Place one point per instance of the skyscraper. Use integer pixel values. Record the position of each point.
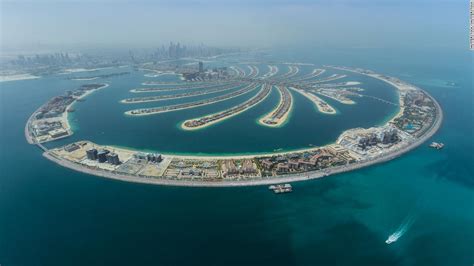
(91, 154)
(102, 156)
(113, 158)
(471, 23)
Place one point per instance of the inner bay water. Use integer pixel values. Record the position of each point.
(100, 118)
(55, 216)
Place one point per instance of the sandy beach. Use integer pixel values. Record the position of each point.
(65, 116)
(279, 122)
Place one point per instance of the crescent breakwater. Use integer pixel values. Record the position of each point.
(418, 119)
(50, 122)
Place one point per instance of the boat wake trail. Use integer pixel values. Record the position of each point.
(402, 229)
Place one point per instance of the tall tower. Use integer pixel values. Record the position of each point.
(131, 56)
(471, 22)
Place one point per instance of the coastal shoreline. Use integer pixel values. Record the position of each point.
(258, 181)
(64, 118)
(383, 157)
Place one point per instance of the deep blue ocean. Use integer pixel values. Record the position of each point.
(50, 215)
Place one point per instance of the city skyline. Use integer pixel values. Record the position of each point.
(229, 24)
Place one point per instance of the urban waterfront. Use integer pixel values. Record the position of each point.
(47, 209)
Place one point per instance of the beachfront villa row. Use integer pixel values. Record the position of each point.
(227, 113)
(419, 112)
(151, 165)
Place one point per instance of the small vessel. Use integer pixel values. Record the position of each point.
(402, 229)
(281, 188)
(436, 145)
(392, 238)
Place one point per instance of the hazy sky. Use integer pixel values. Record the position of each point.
(350, 23)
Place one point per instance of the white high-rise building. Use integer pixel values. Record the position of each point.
(471, 22)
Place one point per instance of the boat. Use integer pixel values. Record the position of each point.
(392, 238)
(281, 188)
(402, 229)
(436, 145)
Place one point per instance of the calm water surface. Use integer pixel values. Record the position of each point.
(50, 215)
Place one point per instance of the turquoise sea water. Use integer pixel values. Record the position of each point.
(50, 215)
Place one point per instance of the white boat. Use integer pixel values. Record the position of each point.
(281, 188)
(437, 145)
(407, 223)
(392, 238)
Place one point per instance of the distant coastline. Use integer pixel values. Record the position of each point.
(16, 77)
